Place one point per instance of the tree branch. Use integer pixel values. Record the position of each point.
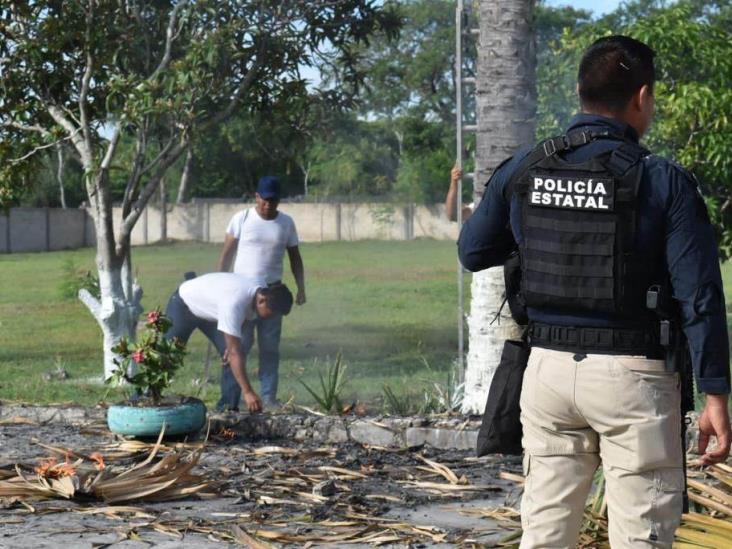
(84, 152)
(92, 303)
(86, 79)
(134, 178)
(161, 154)
(170, 36)
(25, 128)
(166, 158)
(37, 150)
(112, 147)
(240, 89)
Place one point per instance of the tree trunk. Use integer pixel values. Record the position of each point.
(116, 311)
(60, 175)
(305, 169)
(163, 212)
(185, 178)
(118, 307)
(506, 107)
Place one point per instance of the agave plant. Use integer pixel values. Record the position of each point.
(331, 386)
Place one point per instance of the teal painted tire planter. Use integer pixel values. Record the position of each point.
(184, 417)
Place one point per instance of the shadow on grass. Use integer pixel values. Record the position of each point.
(364, 342)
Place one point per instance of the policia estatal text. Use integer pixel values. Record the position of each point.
(600, 224)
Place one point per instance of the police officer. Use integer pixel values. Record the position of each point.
(597, 221)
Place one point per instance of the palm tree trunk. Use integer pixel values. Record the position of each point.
(506, 108)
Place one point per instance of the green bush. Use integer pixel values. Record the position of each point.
(74, 279)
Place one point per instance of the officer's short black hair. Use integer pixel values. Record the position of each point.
(279, 298)
(612, 69)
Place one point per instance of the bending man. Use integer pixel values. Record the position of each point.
(221, 305)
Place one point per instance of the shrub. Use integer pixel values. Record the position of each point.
(157, 359)
(74, 278)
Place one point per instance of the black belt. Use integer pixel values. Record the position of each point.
(608, 341)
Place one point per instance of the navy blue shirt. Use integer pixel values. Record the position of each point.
(673, 233)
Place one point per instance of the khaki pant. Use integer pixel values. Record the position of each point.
(621, 410)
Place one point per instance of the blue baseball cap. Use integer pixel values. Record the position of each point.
(268, 187)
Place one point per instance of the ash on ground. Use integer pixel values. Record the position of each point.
(270, 493)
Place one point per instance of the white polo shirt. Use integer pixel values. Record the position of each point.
(262, 244)
(224, 298)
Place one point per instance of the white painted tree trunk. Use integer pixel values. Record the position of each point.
(506, 106)
(118, 307)
(116, 312)
(487, 331)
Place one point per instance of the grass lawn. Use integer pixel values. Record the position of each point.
(389, 307)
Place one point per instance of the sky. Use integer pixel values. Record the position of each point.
(597, 7)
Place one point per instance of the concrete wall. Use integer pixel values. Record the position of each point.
(45, 229)
(68, 228)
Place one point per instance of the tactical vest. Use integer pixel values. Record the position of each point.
(578, 223)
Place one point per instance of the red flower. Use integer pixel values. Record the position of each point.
(138, 356)
(153, 317)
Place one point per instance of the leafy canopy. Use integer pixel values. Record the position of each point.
(157, 70)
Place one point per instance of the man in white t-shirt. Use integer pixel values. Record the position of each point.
(220, 305)
(259, 237)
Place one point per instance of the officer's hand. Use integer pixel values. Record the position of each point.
(455, 174)
(254, 403)
(714, 421)
(300, 299)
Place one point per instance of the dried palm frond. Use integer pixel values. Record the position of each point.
(168, 478)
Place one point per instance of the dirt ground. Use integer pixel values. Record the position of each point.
(268, 493)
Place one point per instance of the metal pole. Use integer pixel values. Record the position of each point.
(459, 162)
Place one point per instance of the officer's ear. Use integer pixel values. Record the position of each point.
(640, 109)
(648, 101)
(642, 100)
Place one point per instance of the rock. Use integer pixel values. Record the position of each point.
(326, 488)
(337, 434)
(367, 432)
(444, 439)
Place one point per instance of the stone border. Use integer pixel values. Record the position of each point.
(387, 432)
(455, 433)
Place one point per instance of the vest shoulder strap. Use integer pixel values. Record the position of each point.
(621, 160)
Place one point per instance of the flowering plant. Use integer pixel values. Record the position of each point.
(156, 358)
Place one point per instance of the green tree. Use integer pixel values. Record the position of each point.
(156, 73)
(353, 158)
(406, 107)
(409, 86)
(693, 122)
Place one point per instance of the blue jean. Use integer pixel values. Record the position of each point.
(269, 331)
